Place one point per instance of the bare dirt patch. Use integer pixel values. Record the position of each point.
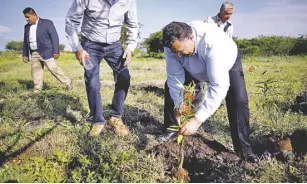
(206, 160)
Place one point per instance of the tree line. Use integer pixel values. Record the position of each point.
(258, 46)
(16, 46)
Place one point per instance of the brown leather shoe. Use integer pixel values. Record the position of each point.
(95, 130)
(118, 125)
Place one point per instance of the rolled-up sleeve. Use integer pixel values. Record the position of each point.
(131, 22)
(72, 21)
(218, 66)
(175, 73)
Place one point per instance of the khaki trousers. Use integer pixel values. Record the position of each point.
(37, 71)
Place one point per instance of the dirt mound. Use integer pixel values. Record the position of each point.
(206, 160)
(300, 104)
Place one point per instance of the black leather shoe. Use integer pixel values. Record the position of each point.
(167, 136)
(251, 157)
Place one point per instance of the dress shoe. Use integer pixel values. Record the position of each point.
(95, 130)
(119, 127)
(251, 157)
(167, 136)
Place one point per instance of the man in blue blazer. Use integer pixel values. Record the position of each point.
(41, 42)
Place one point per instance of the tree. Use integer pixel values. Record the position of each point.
(300, 46)
(271, 45)
(124, 34)
(154, 43)
(14, 46)
(62, 47)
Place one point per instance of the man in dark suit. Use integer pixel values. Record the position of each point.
(41, 42)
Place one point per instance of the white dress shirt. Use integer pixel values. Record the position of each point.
(32, 36)
(216, 20)
(215, 54)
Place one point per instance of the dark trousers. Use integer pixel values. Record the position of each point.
(237, 107)
(112, 53)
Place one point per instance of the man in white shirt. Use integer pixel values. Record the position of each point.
(202, 52)
(222, 18)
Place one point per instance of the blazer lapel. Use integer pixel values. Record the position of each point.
(28, 33)
(38, 31)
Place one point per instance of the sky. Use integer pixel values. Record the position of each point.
(251, 18)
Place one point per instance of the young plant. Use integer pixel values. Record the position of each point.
(278, 139)
(184, 113)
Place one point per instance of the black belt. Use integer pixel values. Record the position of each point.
(34, 50)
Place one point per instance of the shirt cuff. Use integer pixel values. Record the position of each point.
(76, 48)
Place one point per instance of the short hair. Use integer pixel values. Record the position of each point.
(175, 31)
(227, 5)
(29, 10)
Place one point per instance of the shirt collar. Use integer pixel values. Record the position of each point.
(196, 39)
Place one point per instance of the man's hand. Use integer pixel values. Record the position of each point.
(25, 59)
(127, 55)
(56, 56)
(81, 55)
(190, 127)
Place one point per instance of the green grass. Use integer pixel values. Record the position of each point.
(43, 136)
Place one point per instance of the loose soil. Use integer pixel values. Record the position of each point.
(205, 160)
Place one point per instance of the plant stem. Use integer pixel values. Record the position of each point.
(182, 154)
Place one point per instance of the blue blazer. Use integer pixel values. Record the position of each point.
(46, 37)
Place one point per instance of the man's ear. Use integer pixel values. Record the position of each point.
(191, 37)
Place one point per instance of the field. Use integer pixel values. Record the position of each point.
(43, 136)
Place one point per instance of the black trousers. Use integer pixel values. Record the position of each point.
(236, 102)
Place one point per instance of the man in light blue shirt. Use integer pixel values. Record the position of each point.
(202, 52)
(102, 21)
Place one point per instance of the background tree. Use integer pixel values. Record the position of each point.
(124, 34)
(62, 47)
(300, 46)
(272, 45)
(154, 44)
(14, 46)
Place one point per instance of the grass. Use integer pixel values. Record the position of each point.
(43, 136)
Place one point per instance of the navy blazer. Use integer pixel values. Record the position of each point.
(46, 37)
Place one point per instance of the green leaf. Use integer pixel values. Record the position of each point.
(174, 126)
(179, 139)
(181, 85)
(173, 129)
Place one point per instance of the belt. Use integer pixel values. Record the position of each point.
(84, 39)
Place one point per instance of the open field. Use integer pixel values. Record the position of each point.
(43, 136)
